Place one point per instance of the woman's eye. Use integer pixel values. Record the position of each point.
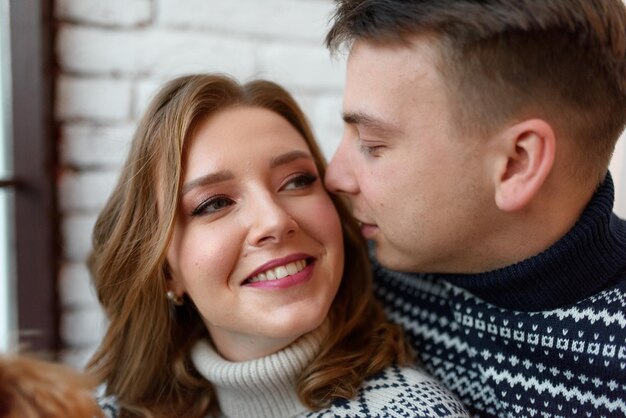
(300, 181)
(212, 205)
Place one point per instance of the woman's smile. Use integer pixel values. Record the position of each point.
(280, 268)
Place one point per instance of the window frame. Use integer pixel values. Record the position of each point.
(32, 135)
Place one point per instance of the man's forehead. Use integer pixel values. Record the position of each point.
(427, 43)
(382, 79)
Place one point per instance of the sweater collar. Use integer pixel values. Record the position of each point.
(584, 261)
(264, 387)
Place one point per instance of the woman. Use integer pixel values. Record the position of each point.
(269, 308)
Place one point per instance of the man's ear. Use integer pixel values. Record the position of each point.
(525, 158)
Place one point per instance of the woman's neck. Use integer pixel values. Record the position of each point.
(248, 348)
(263, 387)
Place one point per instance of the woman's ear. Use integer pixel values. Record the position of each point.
(526, 157)
(172, 284)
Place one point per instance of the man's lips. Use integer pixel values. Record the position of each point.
(368, 230)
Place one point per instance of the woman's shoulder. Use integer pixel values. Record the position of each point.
(398, 391)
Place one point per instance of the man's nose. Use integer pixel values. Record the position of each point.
(340, 177)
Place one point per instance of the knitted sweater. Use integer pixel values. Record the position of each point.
(265, 388)
(545, 337)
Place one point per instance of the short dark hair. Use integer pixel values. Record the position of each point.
(562, 60)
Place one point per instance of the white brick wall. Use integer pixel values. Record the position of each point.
(95, 99)
(284, 20)
(114, 54)
(114, 13)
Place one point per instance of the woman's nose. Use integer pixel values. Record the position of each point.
(269, 222)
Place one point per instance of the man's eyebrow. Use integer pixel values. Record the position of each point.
(211, 178)
(370, 122)
(288, 157)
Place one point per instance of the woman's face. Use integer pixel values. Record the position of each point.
(257, 243)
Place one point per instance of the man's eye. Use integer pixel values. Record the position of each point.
(369, 149)
(212, 205)
(300, 181)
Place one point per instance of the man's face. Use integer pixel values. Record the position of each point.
(420, 188)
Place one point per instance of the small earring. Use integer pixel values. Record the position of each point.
(174, 298)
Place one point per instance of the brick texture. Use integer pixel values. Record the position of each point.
(284, 20)
(113, 13)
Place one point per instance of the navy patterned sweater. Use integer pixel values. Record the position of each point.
(544, 338)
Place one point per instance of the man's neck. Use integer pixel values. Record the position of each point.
(587, 257)
(515, 237)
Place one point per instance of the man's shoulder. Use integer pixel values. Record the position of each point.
(398, 391)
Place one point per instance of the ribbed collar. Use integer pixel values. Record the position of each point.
(587, 259)
(264, 387)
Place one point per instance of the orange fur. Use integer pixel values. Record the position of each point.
(31, 388)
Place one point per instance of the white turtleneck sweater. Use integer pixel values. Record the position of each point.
(265, 388)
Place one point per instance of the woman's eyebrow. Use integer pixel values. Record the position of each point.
(207, 179)
(224, 175)
(289, 157)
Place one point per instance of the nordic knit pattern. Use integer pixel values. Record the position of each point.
(265, 388)
(542, 338)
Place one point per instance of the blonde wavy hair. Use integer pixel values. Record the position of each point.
(144, 358)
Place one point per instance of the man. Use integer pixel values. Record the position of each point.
(475, 153)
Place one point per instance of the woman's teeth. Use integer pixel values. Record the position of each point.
(279, 272)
